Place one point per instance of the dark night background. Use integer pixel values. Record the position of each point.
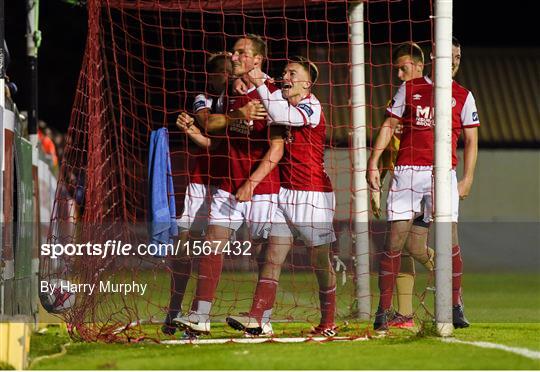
(63, 28)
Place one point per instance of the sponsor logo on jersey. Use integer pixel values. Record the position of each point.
(475, 116)
(241, 126)
(417, 97)
(308, 110)
(424, 116)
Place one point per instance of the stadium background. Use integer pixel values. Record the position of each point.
(500, 69)
(500, 65)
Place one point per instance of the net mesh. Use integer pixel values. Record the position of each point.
(143, 65)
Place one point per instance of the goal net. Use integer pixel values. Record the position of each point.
(144, 64)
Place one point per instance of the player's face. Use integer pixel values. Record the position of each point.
(217, 81)
(243, 57)
(296, 81)
(456, 59)
(408, 69)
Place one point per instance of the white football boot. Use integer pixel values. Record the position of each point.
(193, 323)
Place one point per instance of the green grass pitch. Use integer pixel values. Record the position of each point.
(504, 309)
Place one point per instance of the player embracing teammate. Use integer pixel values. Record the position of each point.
(248, 190)
(306, 199)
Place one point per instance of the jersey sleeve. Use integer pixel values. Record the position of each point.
(201, 102)
(310, 108)
(307, 112)
(396, 108)
(469, 113)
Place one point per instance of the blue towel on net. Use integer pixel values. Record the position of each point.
(162, 214)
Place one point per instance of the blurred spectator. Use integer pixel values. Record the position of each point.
(47, 144)
(59, 141)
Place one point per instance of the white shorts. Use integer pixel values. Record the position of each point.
(196, 208)
(411, 194)
(258, 213)
(307, 215)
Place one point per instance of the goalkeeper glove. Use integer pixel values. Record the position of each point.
(340, 266)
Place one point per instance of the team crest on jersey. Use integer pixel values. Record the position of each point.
(424, 116)
(417, 97)
(306, 108)
(475, 116)
(454, 102)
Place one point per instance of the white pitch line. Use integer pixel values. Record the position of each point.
(531, 354)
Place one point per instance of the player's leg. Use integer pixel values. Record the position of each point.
(320, 259)
(225, 217)
(404, 202)
(459, 319)
(192, 223)
(458, 315)
(417, 250)
(210, 266)
(389, 265)
(180, 267)
(311, 214)
(262, 222)
(257, 321)
(403, 317)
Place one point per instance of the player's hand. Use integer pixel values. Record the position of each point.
(184, 121)
(239, 87)
(464, 187)
(245, 192)
(257, 77)
(376, 203)
(373, 177)
(253, 110)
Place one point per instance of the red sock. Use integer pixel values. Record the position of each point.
(457, 269)
(327, 299)
(209, 274)
(388, 271)
(264, 297)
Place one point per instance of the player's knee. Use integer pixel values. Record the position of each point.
(320, 257)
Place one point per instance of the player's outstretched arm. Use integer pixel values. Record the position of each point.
(186, 123)
(253, 110)
(267, 164)
(384, 137)
(470, 154)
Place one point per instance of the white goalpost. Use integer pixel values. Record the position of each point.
(361, 213)
(443, 166)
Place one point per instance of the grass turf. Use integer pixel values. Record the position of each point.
(504, 309)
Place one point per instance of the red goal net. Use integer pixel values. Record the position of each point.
(144, 64)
